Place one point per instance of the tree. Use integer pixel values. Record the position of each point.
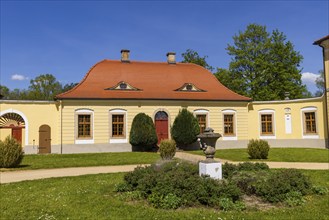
(191, 56)
(263, 66)
(4, 92)
(185, 128)
(319, 82)
(142, 136)
(44, 87)
(69, 86)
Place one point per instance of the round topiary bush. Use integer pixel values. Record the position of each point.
(185, 128)
(143, 136)
(167, 149)
(11, 153)
(258, 149)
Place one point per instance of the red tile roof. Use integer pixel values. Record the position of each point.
(154, 81)
(317, 42)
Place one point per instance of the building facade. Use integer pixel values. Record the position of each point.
(96, 115)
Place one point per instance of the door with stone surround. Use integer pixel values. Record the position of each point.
(161, 125)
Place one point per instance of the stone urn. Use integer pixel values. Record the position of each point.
(208, 143)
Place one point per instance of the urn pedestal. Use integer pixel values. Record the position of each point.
(209, 167)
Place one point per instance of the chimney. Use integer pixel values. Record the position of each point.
(286, 95)
(125, 56)
(171, 58)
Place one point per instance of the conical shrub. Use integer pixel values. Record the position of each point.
(143, 136)
(185, 128)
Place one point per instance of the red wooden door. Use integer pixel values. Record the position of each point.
(16, 132)
(161, 125)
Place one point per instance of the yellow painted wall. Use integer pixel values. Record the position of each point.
(101, 111)
(248, 123)
(279, 117)
(37, 114)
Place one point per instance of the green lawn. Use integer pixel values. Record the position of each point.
(93, 197)
(275, 154)
(84, 160)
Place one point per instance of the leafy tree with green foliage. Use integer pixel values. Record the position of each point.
(143, 136)
(44, 87)
(191, 56)
(264, 66)
(185, 128)
(319, 82)
(68, 87)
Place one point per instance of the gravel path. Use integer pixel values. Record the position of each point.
(17, 176)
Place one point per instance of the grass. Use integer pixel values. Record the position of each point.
(93, 197)
(84, 160)
(275, 154)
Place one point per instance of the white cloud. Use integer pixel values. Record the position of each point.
(309, 80)
(19, 77)
(308, 77)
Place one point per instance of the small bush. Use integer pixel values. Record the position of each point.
(143, 136)
(167, 149)
(281, 182)
(247, 181)
(11, 153)
(294, 198)
(229, 169)
(320, 190)
(170, 201)
(258, 149)
(185, 128)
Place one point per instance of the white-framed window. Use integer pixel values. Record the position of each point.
(202, 116)
(309, 122)
(267, 124)
(118, 126)
(229, 125)
(84, 126)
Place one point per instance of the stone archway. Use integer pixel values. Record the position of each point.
(161, 125)
(15, 123)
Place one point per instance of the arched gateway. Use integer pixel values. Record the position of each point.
(15, 123)
(161, 125)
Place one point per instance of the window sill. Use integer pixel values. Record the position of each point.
(267, 136)
(230, 138)
(118, 141)
(310, 136)
(89, 141)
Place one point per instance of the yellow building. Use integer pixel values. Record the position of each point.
(96, 115)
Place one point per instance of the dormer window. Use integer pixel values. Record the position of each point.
(123, 86)
(189, 87)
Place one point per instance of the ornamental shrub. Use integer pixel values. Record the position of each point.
(230, 169)
(258, 149)
(281, 183)
(143, 136)
(11, 153)
(167, 149)
(185, 128)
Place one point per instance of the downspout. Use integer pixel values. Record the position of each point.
(61, 122)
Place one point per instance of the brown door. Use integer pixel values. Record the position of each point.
(44, 139)
(161, 125)
(16, 132)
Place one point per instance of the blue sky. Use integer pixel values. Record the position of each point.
(66, 38)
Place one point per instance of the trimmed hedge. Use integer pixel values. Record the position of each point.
(143, 135)
(167, 149)
(185, 128)
(258, 149)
